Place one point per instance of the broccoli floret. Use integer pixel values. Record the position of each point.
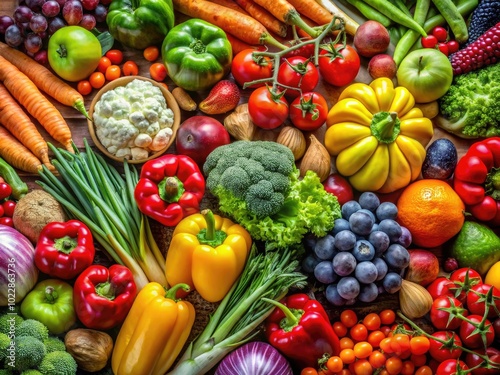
(4, 345)
(6, 371)
(29, 352)
(53, 343)
(31, 372)
(262, 198)
(58, 363)
(33, 328)
(470, 106)
(9, 322)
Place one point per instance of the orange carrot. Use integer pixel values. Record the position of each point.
(231, 21)
(264, 17)
(322, 16)
(13, 118)
(16, 154)
(26, 93)
(44, 79)
(230, 4)
(238, 45)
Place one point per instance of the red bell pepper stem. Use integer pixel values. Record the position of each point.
(292, 316)
(65, 244)
(170, 294)
(171, 189)
(209, 235)
(106, 290)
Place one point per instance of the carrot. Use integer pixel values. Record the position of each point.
(231, 21)
(238, 45)
(13, 118)
(286, 12)
(26, 93)
(44, 79)
(230, 4)
(16, 154)
(264, 17)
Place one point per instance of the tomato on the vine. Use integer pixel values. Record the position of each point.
(476, 333)
(444, 311)
(298, 75)
(5, 220)
(8, 207)
(464, 278)
(307, 50)
(248, 67)
(473, 360)
(440, 287)
(339, 64)
(5, 190)
(451, 367)
(267, 108)
(441, 352)
(478, 300)
(308, 112)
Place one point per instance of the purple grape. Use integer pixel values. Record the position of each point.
(38, 23)
(22, 14)
(309, 263)
(405, 239)
(392, 228)
(382, 268)
(392, 282)
(332, 295)
(55, 24)
(348, 208)
(100, 13)
(41, 57)
(325, 247)
(88, 22)
(51, 8)
(397, 257)
(72, 12)
(89, 4)
(348, 287)
(366, 272)
(345, 240)
(380, 241)
(13, 36)
(368, 292)
(34, 5)
(361, 223)
(323, 272)
(33, 43)
(61, 2)
(5, 21)
(344, 263)
(386, 210)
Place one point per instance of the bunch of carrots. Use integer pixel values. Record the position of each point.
(249, 23)
(21, 79)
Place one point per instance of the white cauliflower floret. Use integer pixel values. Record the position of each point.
(161, 139)
(123, 153)
(137, 117)
(139, 153)
(153, 129)
(143, 140)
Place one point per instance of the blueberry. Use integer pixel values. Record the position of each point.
(366, 272)
(323, 272)
(333, 296)
(344, 263)
(368, 293)
(382, 268)
(380, 241)
(392, 228)
(309, 262)
(340, 225)
(387, 210)
(369, 200)
(325, 247)
(361, 223)
(348, 287)
(392, 282)
(397, 257)
(363, 250)
(348, 208)
(345, 240)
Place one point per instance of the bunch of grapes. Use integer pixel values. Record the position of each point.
(34, 21)
(363, 256)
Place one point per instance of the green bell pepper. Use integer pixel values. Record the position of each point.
(140, 23)
(196, 54)
(51, 302)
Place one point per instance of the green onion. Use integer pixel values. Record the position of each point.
(94, 192)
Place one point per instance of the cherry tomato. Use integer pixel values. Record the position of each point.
(451, 367)
(346, 343)
(130, 68)
(340, 329)
(349, 318)
(440, 287)
(375, 337)
(97, 80)
(408, 368)
(440, 352)
(5, 220)
(400, 343)
(453, 46)
(440, 33)
(419, 359)
(115, 56)
(247, 67)
(419, 345)
(299, 75)
(307, 50)
(385, 345)
(362, 367)
(309, 371)
(151, 53)
(464, 278)
(443, 47)
(113, 72)
(473, 360)
(158, 72)
(470, 336)
(372, 321)
(424, 370)
(339, 65)
(104, 62)
(334, 364)
(429, 41)
(8, 207)
(267, 108)
(387, 316)
(477, 300)
(5, 190)
(362, 349)
(496, 328)
(308, 112)
(2, 211)
(394, 365)
(377, 359)
(347, 356)
(441, 318)
(358, 332)
(84, 87)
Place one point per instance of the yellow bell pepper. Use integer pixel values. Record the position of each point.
(208, 253)
(153, 333)
(378, 136)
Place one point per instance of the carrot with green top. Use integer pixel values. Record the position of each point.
(28, 95)
(16, 154)
(44, 79)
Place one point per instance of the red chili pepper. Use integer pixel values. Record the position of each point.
(477, 180)
(300, 328)
(170, 188)
(64, 249)
(103, 297)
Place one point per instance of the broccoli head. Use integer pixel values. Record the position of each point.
(53, 343)
(33, 328)
(58, 363)
(4, 345)
(470, 107)
(9, 322)
(31, 371)
(29, 352)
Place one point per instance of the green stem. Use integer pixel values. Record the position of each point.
(292, 316)
(65, 244)
(170, 294)
(51, 295)
(105, 290)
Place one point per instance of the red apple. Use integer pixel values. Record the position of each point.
(198, 136)
(337, 185)
(423, 268)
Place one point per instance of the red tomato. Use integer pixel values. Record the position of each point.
(298, 73)
(472, 336)
(441, 318)
(464, 278)
(339, 65)
(473, 360)
(5, 220)
(307, 50)
(451, 367)
(267, 108)
(440, 287)
(115, 56)
(8, 207)
(1, 211)
(429, 41)
(337, 185)
(440, 33)
(478, 299)
(5, 190)
(247, 67)
(439, 351)
(308, 112)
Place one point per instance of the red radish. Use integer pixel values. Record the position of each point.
(223, 97)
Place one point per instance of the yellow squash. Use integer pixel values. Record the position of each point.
(378, 136)
(208, 253)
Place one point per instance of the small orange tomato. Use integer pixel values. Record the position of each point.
(347, 356)
(309, 371)
(424, 370)
(113, 72)
(130, 68)
(400, 342)
(158, 72)
(362, 349)
(394, 365)
(84, 87)
(346, 343)
(151, 53)
(358, 332)
(335, 364)
(408, 368)
(104, 62)
(377, 359)
(387, 316)
(340, 329)
(374, 338)
(372, 321)
(362, 367)
(115, 55)
(419, 345)
(97, 80)
(385, 345)
(349, 318)
(418, 360)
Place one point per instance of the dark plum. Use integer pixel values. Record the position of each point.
(440, 160)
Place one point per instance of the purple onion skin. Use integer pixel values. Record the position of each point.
(254, 358)
(18, 273)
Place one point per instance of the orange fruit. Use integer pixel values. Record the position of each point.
(432, 212)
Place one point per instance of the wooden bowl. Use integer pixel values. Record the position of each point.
(122, 81)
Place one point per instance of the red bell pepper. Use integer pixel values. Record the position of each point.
(477, 180)
(103, 297)
(300, 329)
(170, 188)
(64, 249)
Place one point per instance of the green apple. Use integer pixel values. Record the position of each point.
(426, 73)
